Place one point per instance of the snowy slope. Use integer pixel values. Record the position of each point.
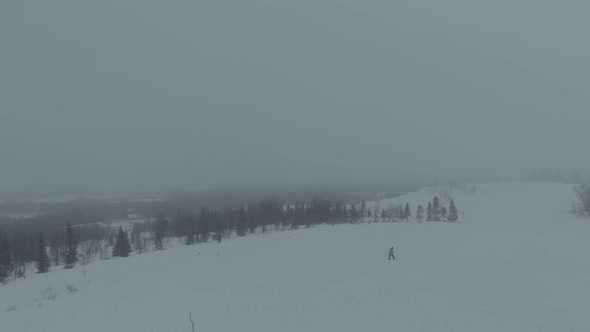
(516, 262)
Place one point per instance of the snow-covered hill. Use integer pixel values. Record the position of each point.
(516, 261)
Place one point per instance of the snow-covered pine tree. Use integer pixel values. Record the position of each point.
(419, 213)
(241, 224)
(42, 257)
(429, 216)
(137, 239)
(122, 245)
(354, 215)
(407, 212)
(400, 213)
(158, 240)
(363, 211)
(453, 213)
(70, 254)
(6, 264)
(204, 232)
(383, 215)
(161, 231)
(190, 239)
(436, 213)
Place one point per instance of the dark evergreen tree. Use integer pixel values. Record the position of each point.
(252, 219)
(190, 239)
(230, 220)
(298, 215)
(420, 213)
(400, 213)
(308, 220)
(42, 257)
(158, 241)
(407, 212)
(122, 245)
(161, 232)
(70, 254)
(55, 247)
(354, 215)
(429, 216)
(436, 212)
(191, 227)
(204, 220)
(241, 225)
(363, 211)
(137, 239)
(6, 263)
(453, 213)
(443, 213)
(383, 215)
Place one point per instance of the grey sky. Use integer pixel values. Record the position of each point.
(123, 94)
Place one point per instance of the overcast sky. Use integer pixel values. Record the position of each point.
(128, 94)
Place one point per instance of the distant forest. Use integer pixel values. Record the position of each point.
(54, 239)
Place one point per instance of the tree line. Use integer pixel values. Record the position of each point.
(81, 244)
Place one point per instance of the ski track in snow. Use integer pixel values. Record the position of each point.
(516, 261)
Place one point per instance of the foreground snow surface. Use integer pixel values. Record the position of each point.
(517, 261)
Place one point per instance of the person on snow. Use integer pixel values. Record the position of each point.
(391, 256)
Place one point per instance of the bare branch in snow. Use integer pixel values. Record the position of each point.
(190, 317)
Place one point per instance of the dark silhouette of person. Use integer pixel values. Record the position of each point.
(391, 256)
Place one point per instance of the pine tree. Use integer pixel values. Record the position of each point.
(55, 248)
(436, 209)
(400, 213)
(204, 231)
(6, 263)
(453, 214)
(429, 212)
(191, 236)
(363, 211)
(158, 244)
(190, 239)
(241, 225)
(383, 215)
(419, 213)
(70, 254)
(122, 246)
(161, 231)
(42, 257)
(407, 212)
(443, 213)
(354, 216)
(137, 239)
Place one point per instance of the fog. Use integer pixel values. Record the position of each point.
(148, 94)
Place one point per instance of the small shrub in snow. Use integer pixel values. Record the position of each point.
(11, 308)
(49, 294)
(71, 289)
